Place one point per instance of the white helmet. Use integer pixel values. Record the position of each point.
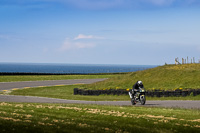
(139, 82)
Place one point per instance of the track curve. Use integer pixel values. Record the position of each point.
(31, 99)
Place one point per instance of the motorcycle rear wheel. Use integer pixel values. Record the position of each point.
(133, 101)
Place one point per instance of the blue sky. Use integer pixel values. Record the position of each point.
(139, 32)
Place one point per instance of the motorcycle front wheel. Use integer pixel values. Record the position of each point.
(142, 100)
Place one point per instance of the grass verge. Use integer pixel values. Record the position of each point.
(66, 92)
(29, 117)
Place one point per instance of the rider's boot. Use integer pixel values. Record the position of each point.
(130, 95)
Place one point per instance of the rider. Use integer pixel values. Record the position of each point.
(136, 87)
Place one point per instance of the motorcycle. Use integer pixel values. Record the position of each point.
(138, 97)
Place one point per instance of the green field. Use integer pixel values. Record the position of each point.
(15, 78)
(168, 77)
(29, 117)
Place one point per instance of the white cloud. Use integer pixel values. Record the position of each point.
(81, 36)
(84, 45)
(66, 45)
(70, 44)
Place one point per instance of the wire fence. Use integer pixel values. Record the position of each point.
(186, 61)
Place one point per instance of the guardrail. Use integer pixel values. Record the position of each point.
(156, 93)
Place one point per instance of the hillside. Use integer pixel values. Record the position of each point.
(163, 77)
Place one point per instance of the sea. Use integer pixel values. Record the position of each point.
(56, 68)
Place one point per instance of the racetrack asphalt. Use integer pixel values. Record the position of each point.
(25, 84)
(31, 99)
(165, 103)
